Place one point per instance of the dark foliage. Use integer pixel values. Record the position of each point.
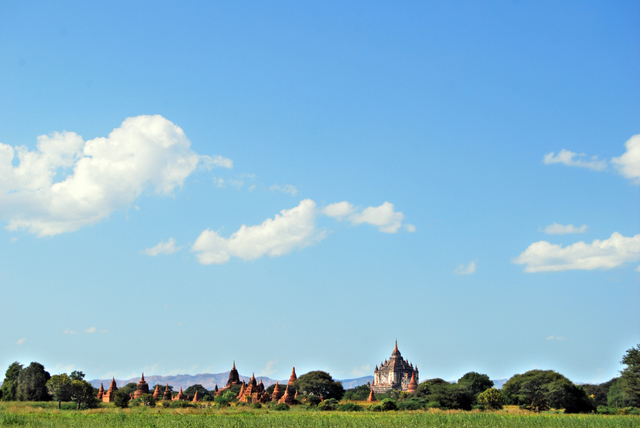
(32, 383)
(320, 384)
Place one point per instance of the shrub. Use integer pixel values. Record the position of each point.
(350, 407)
(147, 400)
(180, 404)
(256, 406)
(281, 407)
(375, 408)
(433, 405)
(388, 404)
(411, 404)
(492, 398)
(330, 404)
(479, 407)
(312, 400)
(241, 404)
(166, 404)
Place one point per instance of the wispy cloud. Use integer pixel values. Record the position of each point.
(91, 330)
(269, 368)
(384, 217)
(560, 338)
(361, 370)
(163, 247)
(210, 162)
(469, 269)
(627, 165)
(67, 331)
(569, 158)
(560, 229)
(287, 188)
(543, 256)
(21, 341)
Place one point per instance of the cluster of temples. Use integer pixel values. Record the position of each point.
(250, 392)
(394, 373)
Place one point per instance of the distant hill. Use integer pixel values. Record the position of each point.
(209, 381)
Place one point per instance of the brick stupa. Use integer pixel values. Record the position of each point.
(110, 395)
(141, 388)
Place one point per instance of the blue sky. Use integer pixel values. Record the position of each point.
(302, 183)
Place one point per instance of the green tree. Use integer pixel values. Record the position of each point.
(630, 376)
(10, 383)
(445, 394)
(191, 391)
(359, 393)
(148, 400)
(81, 393)
(492, 398)
(475, 382)
(541, 390)
(320, 384)
(59, 386)
(129, 388)
(121, 399)
(617, 396)
(32, 383)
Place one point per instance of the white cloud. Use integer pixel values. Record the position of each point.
(545, 257)
(210, 162)
(292, 229)
(67, 183)
(67, 331)
(556, 338)
(14, 239)
(269, 368)
(287, 188)
(574, 159)
(163, 247)
(361, 370)
(384, 217)
(560, 229)
(629, 163)
(466, 269)
(410, 228)
(338, 210)
(90, 330)
(21, 341)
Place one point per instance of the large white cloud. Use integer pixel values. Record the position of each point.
(67, 183)
(629, 163)
(384, 217)
(543, 256)
(291, 229)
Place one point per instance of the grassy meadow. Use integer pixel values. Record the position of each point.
(25, 414)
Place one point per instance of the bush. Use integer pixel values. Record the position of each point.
(411, 404)
(281, 407)
(349, 407)
(330, 404)
(180, 404)
(433, 405)
(312, 400)
(388, 404)
(147, 400)
(256, 406)
(479, 407)
(241, 404)
(166, 404)
(375, 408)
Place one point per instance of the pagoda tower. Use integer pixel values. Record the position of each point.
(166, 396)
(287, 398)
(100, 392)
(276, 393)
(293, 377)
(141, 388)
(156, 392)
(110, 395)
(234, 377)
(413, 385)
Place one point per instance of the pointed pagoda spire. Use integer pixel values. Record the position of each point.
(216, 388)
(413, 385)
(396, 348)
(156, 392)
(234, 365)
(293, 377)
(276, 393)
(372, 397)
(142, 378)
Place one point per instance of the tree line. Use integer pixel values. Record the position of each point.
(536, 390)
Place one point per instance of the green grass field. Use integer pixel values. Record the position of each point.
(47, 415)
